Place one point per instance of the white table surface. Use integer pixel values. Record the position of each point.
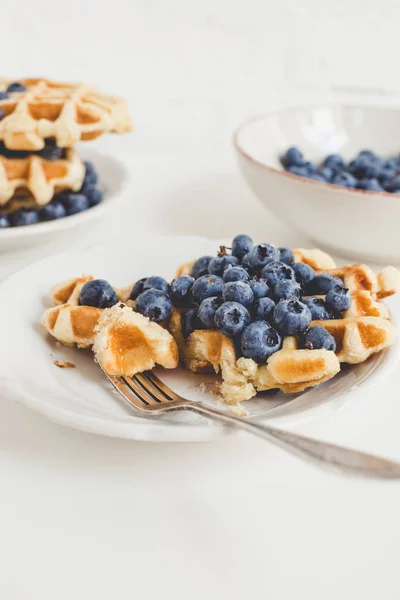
(90, 517)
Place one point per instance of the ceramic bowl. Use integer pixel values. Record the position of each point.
(362, 225)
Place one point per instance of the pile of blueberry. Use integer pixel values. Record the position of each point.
(64, 204)
(367, 171)
(256, 295)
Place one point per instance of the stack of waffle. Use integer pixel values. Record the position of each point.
(40, 121)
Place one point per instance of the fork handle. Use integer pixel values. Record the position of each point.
(338, 457)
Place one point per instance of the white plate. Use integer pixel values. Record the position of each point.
(114, 177)
(83, 399)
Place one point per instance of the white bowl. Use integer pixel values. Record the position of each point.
(359, 224)
(114, 178)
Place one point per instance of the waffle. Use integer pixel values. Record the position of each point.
(127, 343)
(66, 112)
(38, 177)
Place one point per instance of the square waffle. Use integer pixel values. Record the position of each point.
(67, 112)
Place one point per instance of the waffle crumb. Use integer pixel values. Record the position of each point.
(64, 364)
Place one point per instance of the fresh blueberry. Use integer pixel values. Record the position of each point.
(321, 284)
(286, 256)
(189, 322)
(74, 203)
(238, 291)
(3, 95)
(338, 298)
(318, 338)
(345, 180)
(98, 293)
(137, 288)
(363, 168)
(259, 287)
(4, 222)
(94, 194)
(241, 245)
(16, 86)
(219, 263)
(372, 185)
(207, 310)
(156, 283)
(181, 290)
(303, 273)
(299, 171)
(292, 316)
(318, 309)
(52, 153)
(292, 157)
(393, 184)
(333, 161)
(261, 254)
(23, 217)
(246, 263)
(368, 155)
(388, 170)
(259, 341)
(277, 271)
(207, 286)
(154, 304)
(200, 267)
(286, 289)
(311, 168)
(90, 174)
(235, 274)
(263, 309)
(327, 173)
(317, 177)
(231, 318)
(54, 210)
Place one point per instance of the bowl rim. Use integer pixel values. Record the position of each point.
(335, 188)
(42, 228)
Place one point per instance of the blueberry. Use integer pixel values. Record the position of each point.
(263, 309)
(89, 166)
(154, 304)
(277, 271)
(286, 289)
(292, 157)
(338, 298)
(299, 171)
(333, 161)
(74, 203)
(3, 95)
(259, 341)
(303, 273)
(368, 155)
(292, 316)
(259, 288)
(181, 290)
(54, 210)
(318, 338)
(311, 168)
(345, 180)
(52, 153)
(261, 254)
(231, 318)
(98, 293)
(393, 184)
(327, 173)
(137, 288)
(372, 185)
(219, 263)
(321, 284)
(23, 217)
(94, 194)
(246, 263)
(189, 322)
(388, 170)
(156, 283)
(206, 286)
(286, 256)
(362, 167)
(200, 267)
(318, 309)
(241, 245)
(16, 86)
(238, 291)
(207, 309)
(4, 222)
(317, 177)
(235, 274)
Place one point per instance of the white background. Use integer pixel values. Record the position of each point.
(84, 517)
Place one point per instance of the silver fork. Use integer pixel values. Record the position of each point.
(147, 394)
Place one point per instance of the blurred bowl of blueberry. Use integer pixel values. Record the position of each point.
(331, 172)
(106, 181)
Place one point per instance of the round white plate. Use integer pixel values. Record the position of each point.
(114, 178)
(83, 399)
